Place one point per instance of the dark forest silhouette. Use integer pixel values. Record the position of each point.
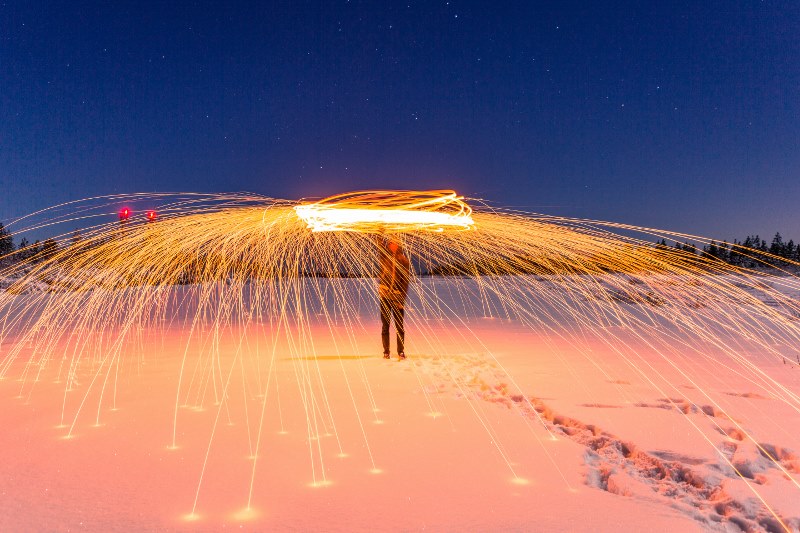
(741, 253)
(748, 253)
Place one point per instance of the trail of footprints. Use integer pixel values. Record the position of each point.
(692, 485)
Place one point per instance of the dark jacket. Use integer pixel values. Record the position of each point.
(394, 275)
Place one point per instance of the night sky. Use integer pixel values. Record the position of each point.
(681, 116)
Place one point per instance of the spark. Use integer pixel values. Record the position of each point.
(267, 272)
(397, 211)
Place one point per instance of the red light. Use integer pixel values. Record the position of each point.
(124, 213)
(151, 215)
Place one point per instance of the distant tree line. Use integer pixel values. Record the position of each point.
(740, 252)
(25, 250)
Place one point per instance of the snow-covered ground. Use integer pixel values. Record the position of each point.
(489, 425)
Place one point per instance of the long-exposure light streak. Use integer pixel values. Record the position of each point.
(297, 276)
(369, 211)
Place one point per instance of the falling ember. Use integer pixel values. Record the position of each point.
(397, 211)
(270, 271)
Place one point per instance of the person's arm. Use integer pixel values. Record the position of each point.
(404, 273)
(378, 238)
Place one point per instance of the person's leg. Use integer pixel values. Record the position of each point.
(385, 317)
(398, 313)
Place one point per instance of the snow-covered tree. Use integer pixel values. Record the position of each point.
(724, 251)
(6, 241)
(23, 251)
(49, 248)
(776, 248)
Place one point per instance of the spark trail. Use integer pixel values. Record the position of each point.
(269, 270)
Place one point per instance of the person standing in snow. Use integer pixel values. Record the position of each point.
(393, 279)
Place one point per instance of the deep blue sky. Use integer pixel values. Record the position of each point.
(675, 115)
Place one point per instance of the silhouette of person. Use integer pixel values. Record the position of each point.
(393, 280)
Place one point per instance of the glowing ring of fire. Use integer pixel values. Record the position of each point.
(373, 211)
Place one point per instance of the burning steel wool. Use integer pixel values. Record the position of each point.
(271, 271)
(398, 211)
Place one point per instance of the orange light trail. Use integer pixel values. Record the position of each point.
(395, 211)
(267, 272)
